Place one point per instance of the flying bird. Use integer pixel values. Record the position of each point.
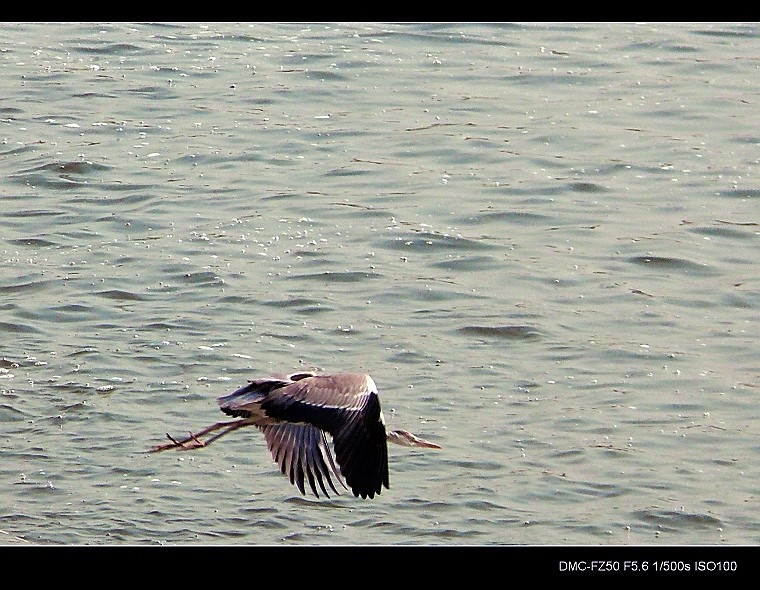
(297, 412)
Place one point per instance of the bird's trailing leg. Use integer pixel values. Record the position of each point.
(194, 440)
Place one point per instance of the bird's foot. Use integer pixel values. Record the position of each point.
(191, 442)
(194, 442)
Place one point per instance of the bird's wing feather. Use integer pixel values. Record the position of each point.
(362, 450)
(302, 452)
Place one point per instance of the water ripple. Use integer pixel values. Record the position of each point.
(516, 332)
(32, 242)
(728, 232)
(672, 263)
(673, 520)
(30, 287)
(337, 276)
(427, 241)
(509, 218)
(107, 48)
(18, 328)
(747, 193)
(120, 295)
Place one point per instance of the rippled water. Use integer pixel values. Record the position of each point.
(540, 240)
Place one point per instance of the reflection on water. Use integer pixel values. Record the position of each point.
(540, 240)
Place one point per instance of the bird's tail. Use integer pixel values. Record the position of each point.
(242, 402)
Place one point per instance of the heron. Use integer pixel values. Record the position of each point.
(297, 412)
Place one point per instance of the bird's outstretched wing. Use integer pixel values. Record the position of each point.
(348, 408)
(362, 450)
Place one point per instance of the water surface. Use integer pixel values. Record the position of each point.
(542, 242)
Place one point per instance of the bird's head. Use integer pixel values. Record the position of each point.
(407, 439)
